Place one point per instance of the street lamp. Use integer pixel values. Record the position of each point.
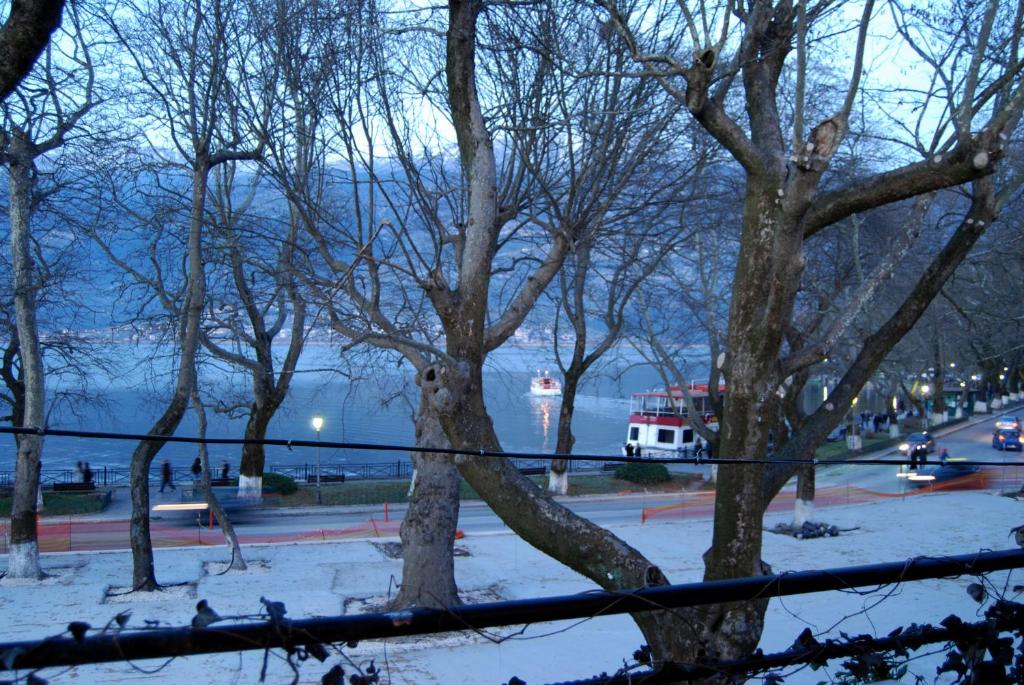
(318, 423)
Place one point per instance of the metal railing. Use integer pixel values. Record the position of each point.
(301, 473)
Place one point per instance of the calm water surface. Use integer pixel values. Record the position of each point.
(379, 412)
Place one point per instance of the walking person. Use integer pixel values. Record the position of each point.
(225, 471)
(166, 476)
(197, 470)
(86, 474)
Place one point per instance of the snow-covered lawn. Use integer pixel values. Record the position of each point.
(323, 579)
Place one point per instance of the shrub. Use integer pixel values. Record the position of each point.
(281, 484)
(644, 474)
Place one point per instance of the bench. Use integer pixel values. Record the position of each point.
(331, 478)
(533, 470)
(221, 482)
(74, 487)
(610, 465)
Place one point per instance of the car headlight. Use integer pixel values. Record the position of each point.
(904, 447)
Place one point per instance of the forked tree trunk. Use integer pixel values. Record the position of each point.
(537, 519)
(23, 559)
(269, 390)
(143, 567)
(428, 530)
(558, 482)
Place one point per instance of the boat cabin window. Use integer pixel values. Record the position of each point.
(666, 435)
(687, 435)
(651, 405)
(634, 432)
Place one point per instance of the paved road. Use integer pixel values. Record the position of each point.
(836, 484)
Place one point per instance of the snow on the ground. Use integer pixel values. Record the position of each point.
(323, 579)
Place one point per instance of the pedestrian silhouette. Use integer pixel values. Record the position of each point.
(166, 476)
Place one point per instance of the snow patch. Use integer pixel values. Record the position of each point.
(166, 593)
(254, 567)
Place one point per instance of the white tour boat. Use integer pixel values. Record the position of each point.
(660, 425)
(545, 385)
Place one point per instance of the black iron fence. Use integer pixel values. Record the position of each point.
(302, 473)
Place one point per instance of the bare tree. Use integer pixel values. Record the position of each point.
(253, 300)
(786, 202)
(187, 58)
(38, 120)
(614, 185)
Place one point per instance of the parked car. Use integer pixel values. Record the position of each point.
(915, 439)
(1006, 439)
(1009, 422)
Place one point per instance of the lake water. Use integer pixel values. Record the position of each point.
(379, 412)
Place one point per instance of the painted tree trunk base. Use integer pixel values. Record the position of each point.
(803, 512)
(250, 487)
(894, 430)
(558, 483)
(980, 408)
(23, 561)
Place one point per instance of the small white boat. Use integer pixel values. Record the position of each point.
(545, 385)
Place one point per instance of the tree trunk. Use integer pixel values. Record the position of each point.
(143, 570)
(803, 507)
(23, 37)
(250, 471)
(767, 275)
(23, 560)
(428, 530)
(558, 480)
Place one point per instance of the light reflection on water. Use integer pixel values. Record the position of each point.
(542, 408)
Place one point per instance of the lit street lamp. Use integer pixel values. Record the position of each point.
(318, 423)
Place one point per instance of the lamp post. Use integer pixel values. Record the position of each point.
(318, 423)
